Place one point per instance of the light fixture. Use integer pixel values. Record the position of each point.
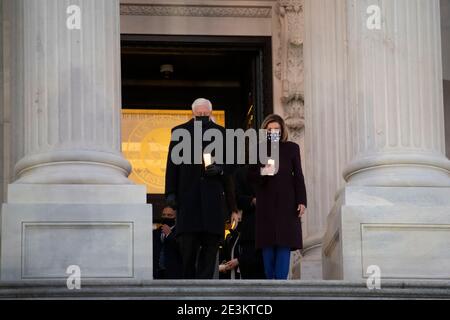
(166, 70)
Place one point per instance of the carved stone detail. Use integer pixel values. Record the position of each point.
(195, 11)
(289, 67)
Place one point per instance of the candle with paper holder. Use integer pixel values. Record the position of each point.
(269, 169)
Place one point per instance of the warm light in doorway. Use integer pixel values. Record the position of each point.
(145, 142)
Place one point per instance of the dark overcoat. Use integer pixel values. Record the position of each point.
(277, 199)
(203, 203)
(250, 259)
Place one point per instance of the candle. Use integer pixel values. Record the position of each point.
(269, 169)
(271, 163)
(207, 159)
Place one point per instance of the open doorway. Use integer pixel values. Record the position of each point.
(167, 73)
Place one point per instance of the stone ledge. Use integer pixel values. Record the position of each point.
(223, 289)
(76, 193)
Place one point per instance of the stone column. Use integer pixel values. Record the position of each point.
(326, 149)
(445, 35)
(1, 105)
(395, 95)
(13, 90)
(72, 203)
(395, 209)
(72, 96)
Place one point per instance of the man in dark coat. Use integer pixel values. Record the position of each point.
(200, 193)
(166, 253)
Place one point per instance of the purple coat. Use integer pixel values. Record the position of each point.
(277, 199)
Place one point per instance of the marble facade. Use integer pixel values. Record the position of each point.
(365, 105)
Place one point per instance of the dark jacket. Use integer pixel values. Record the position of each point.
(277, 199)
(172, 256)
(250, 259)
(245, 192)
(203, 202)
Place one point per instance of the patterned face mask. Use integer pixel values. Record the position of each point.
(274, 136)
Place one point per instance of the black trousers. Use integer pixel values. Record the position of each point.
(251, 262)
(199, 254)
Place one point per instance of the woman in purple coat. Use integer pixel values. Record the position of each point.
(280, 201)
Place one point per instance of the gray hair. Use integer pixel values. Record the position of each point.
(202, 102)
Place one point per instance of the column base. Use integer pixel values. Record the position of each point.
(399, 170)
(295, 266)
(311, 262)
(107, 239)
(73, 167)
(403, 231)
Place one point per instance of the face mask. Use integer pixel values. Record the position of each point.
(170, 222)
(274, 136)
(202, 119)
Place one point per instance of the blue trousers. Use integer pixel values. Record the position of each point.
(276, 262)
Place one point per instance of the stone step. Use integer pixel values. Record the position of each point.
(225, 289)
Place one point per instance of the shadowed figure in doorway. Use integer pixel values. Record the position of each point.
(166, 253)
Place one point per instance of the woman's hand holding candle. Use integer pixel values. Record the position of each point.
(269, 168)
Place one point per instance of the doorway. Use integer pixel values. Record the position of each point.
(170, 72)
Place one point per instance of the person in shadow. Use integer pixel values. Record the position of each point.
(167, 262)
(250, 259)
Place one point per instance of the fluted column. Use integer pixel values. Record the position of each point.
(326, 129)
(397, 178)
(72, 96)
(2, 77)
(395, 105)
